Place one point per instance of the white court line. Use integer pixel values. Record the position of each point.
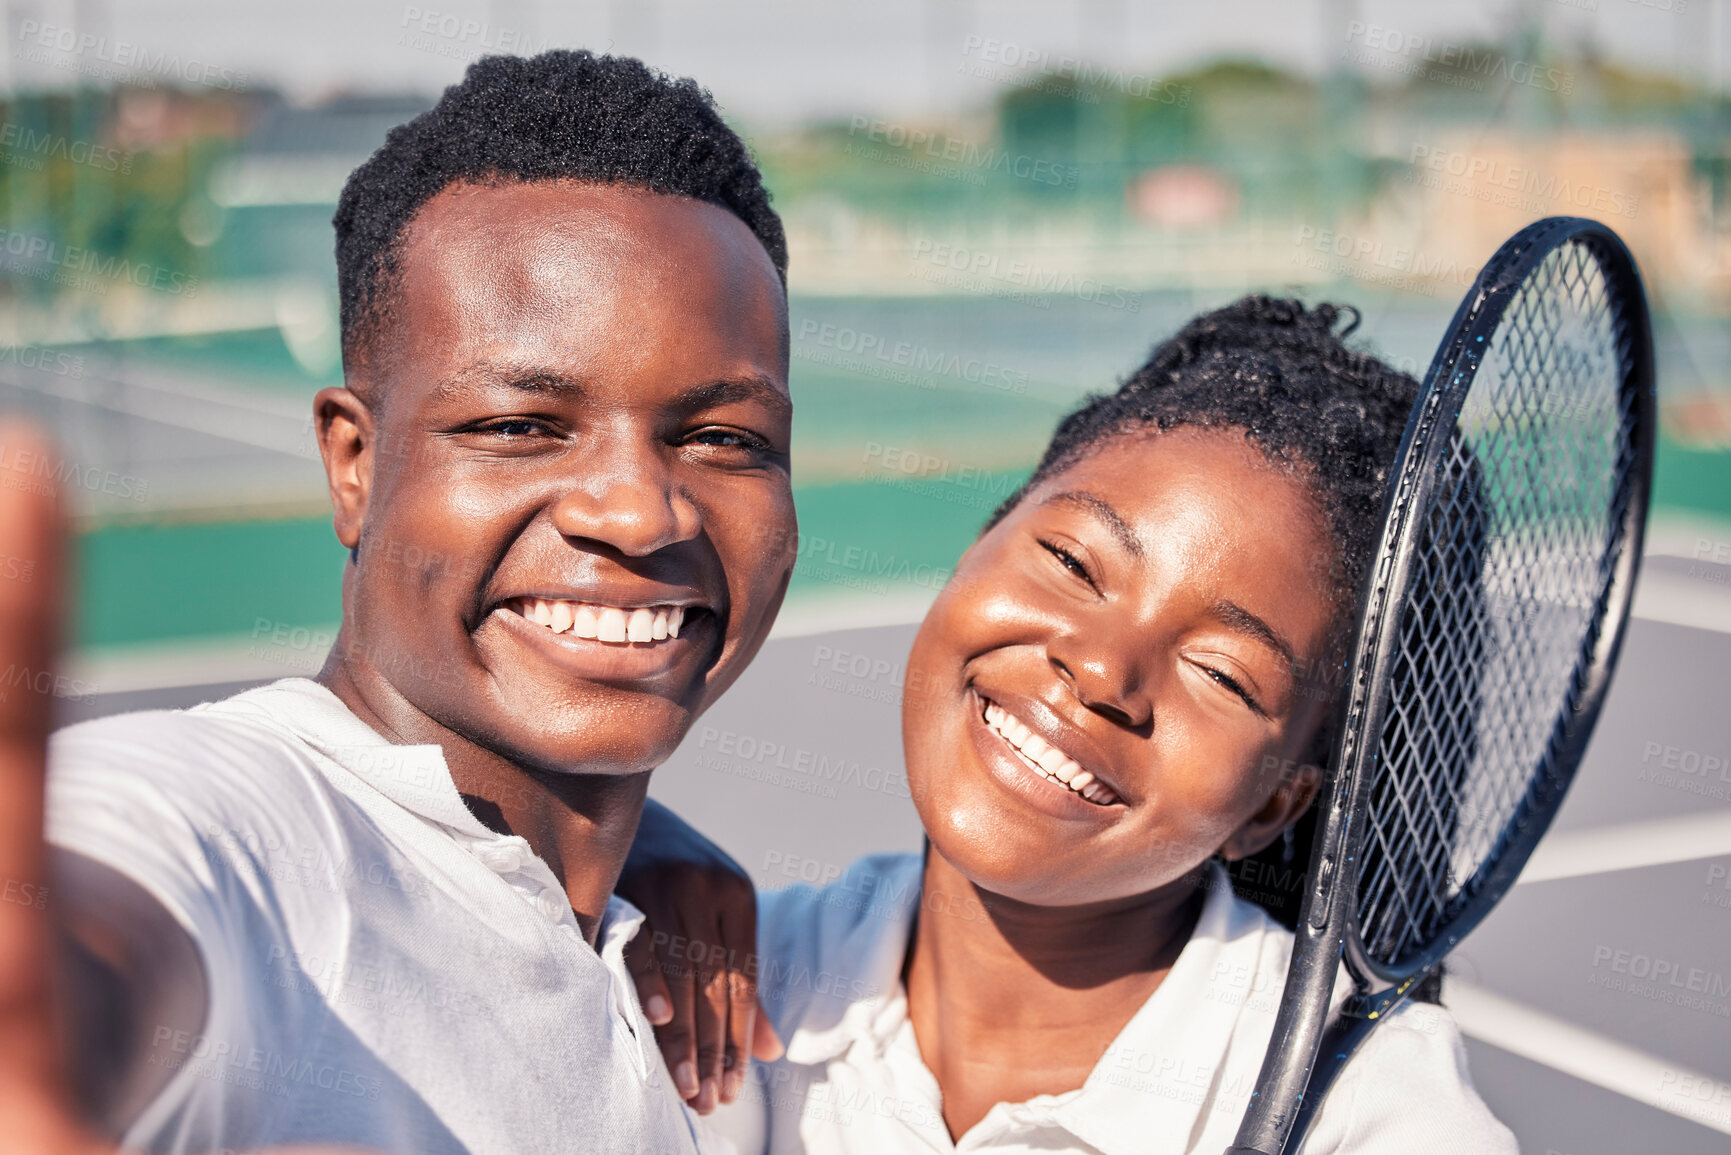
(1589, 1056)
(1662, 596)
(1605, 849)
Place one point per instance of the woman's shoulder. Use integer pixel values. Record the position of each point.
(1408, 1089)
(830, 905)
(836, 941)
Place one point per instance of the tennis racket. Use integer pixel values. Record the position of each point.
(1488, 629)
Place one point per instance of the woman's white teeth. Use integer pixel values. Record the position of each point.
(612, 625)
(1099, 792)
(1047, 758)
(604, 623)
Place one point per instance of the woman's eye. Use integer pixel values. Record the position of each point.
(1233, 684)
(1069, 561)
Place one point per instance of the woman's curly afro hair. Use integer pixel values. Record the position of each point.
(1282, 376)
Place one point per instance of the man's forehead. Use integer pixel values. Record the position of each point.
(479, 225)
(573, 281)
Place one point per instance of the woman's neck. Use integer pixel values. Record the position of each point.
(1009, 1001)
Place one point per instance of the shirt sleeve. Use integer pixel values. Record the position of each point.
(131, 793)
(1408, 1092)
(99, 809)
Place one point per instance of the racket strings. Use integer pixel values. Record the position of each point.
(1509, 585)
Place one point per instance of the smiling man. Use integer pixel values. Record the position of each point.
(375, 908)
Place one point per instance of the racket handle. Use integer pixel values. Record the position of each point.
(1247, 1151)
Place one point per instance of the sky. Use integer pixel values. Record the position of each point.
(780, 62)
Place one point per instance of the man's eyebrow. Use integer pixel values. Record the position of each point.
(1235, 617)
(1102, 509)
(733, 389)
(526, 378)
(532, 379)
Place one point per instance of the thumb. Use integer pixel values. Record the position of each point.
(33, 1092)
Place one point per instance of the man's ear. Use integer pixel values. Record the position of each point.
(1291, 798)
(344, 424)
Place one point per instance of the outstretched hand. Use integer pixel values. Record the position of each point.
(695, 960)
(36, 1095)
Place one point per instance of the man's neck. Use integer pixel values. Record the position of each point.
(580, 825)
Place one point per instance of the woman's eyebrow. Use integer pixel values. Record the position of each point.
(1101, 509)
(1235, 617)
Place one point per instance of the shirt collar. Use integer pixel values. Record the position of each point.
(1158, 1075)
(1170, 1063)
(868, 956)
(414, 777)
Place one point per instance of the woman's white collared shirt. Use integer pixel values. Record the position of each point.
(1176, 1079)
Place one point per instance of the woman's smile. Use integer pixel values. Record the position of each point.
(1127, 632)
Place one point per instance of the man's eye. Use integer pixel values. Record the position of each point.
(728, 439)
(516, 427)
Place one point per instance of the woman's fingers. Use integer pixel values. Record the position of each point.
(645, 967)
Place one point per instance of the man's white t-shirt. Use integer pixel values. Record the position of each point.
(1176, 1079)
(383, 970)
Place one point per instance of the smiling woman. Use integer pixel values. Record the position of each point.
(1118, 693)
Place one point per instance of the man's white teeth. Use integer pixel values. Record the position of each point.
(604, 623)
(1047, 758)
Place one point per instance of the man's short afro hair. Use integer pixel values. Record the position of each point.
(561, 115)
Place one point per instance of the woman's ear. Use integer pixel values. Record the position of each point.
(1292, 796)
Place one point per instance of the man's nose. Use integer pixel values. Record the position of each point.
(624, 494)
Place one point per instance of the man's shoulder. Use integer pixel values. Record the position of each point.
(201, 759)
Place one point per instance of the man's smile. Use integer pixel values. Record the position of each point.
(615, 625)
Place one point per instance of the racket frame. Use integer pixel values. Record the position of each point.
(1305, 1054)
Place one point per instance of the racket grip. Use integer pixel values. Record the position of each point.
(1247, 1151)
